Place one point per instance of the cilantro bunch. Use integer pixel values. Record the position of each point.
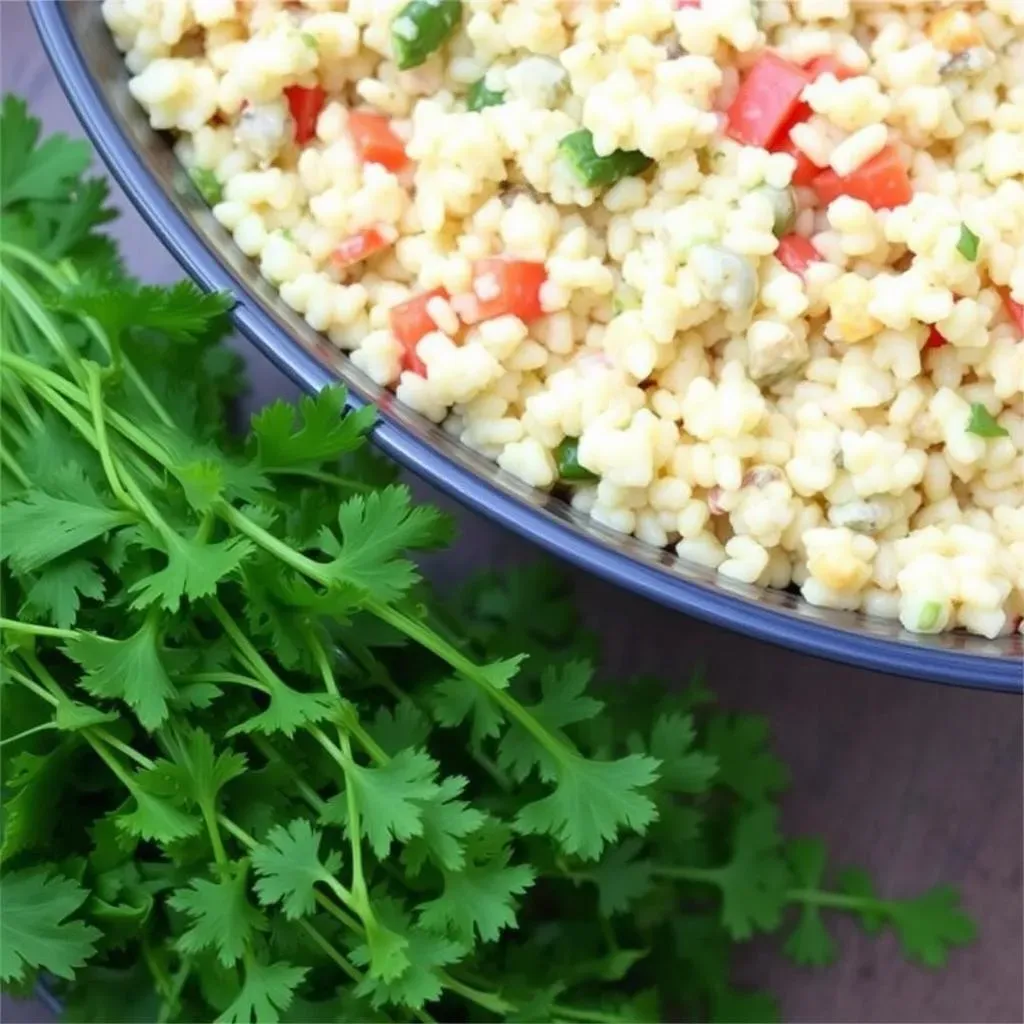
(254, 770)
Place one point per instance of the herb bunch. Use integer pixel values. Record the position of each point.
(254, 770)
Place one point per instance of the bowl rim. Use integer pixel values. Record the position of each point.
(891, 655)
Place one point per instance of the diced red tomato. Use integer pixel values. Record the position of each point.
(508, 287)
(376, 141)
(1015, 309)
(692, 4)
(305, 106)
(829, 66)
(882, 182)
(935, 340)
(795, 253)
(768, 102)
(806, 169)
(358, 247)
(410, 323)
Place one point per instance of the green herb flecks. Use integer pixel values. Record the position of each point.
(983, 423)
(480, 96)
(968, 244)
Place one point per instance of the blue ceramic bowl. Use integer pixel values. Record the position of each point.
(95, 80)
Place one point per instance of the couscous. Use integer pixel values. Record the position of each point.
(745, 277)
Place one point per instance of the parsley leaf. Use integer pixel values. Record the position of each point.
(968, 244)
(745, 764)
(683, 769)
(324, 433)
(480, 896)
(455, 699)
(592, 802)
(154, 817)
(55, 595)
(34, 930)
(809, 943)
(390, 798)
(268, 991)
(983, 424)
(181, 311)
(221, 916)
(374, 531)
(621, 878)
(130, 670)
(39, 528)
(564, 703)
(929, 925)
(446, 820)
(33, 170)
(755, 883)
(288, 864)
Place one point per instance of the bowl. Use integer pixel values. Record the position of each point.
(93, 75)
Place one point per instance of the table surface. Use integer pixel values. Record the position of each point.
(919, 783)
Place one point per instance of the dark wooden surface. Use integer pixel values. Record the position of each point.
(919, 783)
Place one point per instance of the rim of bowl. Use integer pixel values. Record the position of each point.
(900, 654)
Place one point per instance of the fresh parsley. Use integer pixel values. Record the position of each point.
(968, 244)
(983, 423)
(255, 770)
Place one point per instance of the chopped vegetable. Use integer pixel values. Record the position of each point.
(360, 246)
(882, 182)
(421, 28)
(935, 340)
(504, 287)
(410, 323)
(796, 253)
(480, 96)
(983, 423)
(928, 616)
(767, 103)
(596, 171)
(305, 105)
(783, 203)
(310, 40)
(567, 455)
(1015, 309)
(376, 141)
(207, 185)
(806, 169)
(968, 244)
(726, 276)
(829, 66)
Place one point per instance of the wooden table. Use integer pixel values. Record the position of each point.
(919, 783)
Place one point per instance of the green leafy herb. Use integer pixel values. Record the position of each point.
(206, 182)
(256, 770)
(983, 423)
(480, 96)
(567, 456)
(968, 244)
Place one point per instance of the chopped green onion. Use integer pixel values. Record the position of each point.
(594, 170)
(421, 28)
(567, 455)
(928, 616)
(480, 96)
(783, 202)
(310, 40)
(625, 298)
(984, 424)
(207, 185)
(968, 244)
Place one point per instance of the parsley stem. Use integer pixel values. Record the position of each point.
(30, 629)
(325, 478)
(355, 974)
(26, 299)
(308, 793)
(31, 684)
(485, 1000)
(13, 468)
(836, 900)
(428, 638)
(232, 678)
(94, 389)
(28, 413)
(710, 876)
(25, 733)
